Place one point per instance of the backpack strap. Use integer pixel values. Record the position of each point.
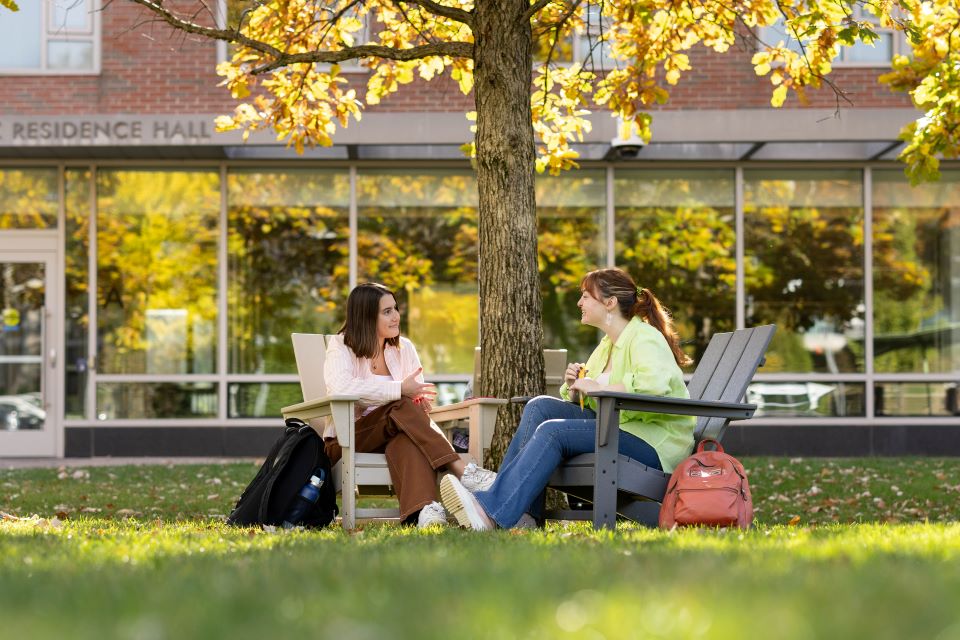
(302, 433)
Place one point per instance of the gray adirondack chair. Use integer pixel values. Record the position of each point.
(616, 484)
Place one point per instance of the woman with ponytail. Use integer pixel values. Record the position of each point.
(639, 353)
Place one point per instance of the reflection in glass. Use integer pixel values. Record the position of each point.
(28, 198)
(157, 271)
(803, 267)
(123, 400)
(916, 399)
(288, 245)
(807, 399)
(69, 55)
(78, 216)
(258, 400)
(20, 33)
(675, 234)
(418, 236)
(571, 210)
(22, 298)
(916, 275)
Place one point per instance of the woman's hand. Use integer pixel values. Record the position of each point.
(583, 386)
(573, 370)
(413, 388)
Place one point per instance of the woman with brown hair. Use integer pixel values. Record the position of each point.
(370, 359)
(639, 353)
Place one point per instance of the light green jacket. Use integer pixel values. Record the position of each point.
(643, 363)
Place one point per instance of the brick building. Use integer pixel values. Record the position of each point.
(204, 253)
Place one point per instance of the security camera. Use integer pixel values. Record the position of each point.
(625, 147)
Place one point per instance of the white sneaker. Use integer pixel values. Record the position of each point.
(432, 514)
(476, 478)
(463, 506)
(526, 521)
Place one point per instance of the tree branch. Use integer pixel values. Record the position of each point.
(534, 9)
(457, 15)
(282, 59)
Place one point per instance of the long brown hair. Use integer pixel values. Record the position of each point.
(360, 327)
(634, 301)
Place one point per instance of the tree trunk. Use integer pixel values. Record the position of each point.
(511, 335)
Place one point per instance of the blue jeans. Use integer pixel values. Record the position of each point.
(550, 431)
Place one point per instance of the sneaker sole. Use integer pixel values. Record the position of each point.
(454, 504)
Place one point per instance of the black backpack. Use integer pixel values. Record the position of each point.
(292, 460)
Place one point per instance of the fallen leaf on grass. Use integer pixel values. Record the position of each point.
(795, 520)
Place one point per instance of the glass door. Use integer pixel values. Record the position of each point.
(28, 355)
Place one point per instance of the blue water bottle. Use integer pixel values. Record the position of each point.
(307, 497)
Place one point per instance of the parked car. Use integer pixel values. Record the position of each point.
(18, 412)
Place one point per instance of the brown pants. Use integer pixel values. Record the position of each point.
(414, 447)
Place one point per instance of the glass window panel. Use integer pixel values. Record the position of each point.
(418, 236)
(807, 399)
(571, 213)
(28, 198)
(134, 400)
(288, 239)
(70, 15)
(20, 33)
(69, 55)
(78, 216)
(22, 299)
(259, 400)
(675, 234)
(916, 399)
(916, 273)
(157, 271)
(803, 267)
(881, 51)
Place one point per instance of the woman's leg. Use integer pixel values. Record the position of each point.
(535, 412)
(414, 448)
(519, 486)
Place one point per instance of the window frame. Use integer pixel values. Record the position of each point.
(50, 32)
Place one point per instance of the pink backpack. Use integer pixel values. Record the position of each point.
(709, 488)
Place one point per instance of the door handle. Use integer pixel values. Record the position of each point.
(52, 357)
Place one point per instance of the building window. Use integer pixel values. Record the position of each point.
(916, 277)
(582, 44)
(51, 36)
(288, 251)
(571, 229)
(889, 42)
(28, 199)
(157, 237)
(417, 234)
(675, 234)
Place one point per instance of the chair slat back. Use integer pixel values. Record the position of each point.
(729, 370)
(310, 349)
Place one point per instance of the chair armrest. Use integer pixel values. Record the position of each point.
(481, 414)
(340, 408)
(680, 406)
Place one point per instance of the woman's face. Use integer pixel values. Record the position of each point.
(592, 311)
(388, 318)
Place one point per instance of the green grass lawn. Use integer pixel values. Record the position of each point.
(842, 548)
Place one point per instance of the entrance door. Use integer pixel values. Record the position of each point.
(29, 407)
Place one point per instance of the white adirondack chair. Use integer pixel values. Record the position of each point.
(366, 473)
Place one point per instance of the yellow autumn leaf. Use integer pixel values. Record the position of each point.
(779, 96)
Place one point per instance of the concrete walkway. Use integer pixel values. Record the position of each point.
(73, 463)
